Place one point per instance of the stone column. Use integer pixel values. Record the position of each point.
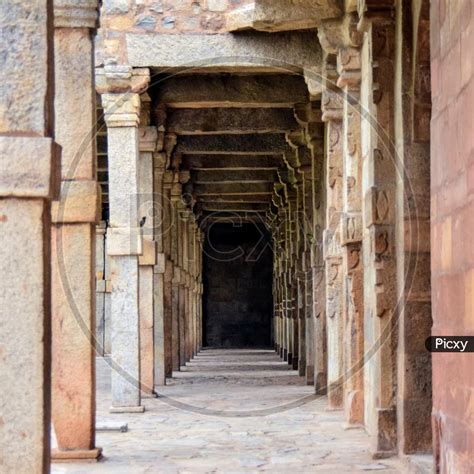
(379, 183)
(353, 302)
(167, 233)
(175, 195)
(147, 143)
(29, 177)
(120, 88)
(161, 296)
(332, 115)
(74, 219)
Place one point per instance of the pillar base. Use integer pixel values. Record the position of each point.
(301, 368)
(285, 354)
(289, 358)
(138, 409)
(295, 363)
(76, 455)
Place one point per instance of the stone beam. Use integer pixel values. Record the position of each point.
(235, 199)
(229, 120)
(281, 15)
(232, 162)
(275, 91)
(248, 51)
(252, 144)
(251, 189)
(234, 206)
(223, 176)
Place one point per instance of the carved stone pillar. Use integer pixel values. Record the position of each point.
(147, 261)
(175, 243)
(161, 296)
(120, 87)
(74, 218)
(379, 184)
(29, 178)
(353, 301)
(167, 233)
(332, 115)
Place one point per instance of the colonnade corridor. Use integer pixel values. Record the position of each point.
(232, 411)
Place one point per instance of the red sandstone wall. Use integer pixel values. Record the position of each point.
(452, 228)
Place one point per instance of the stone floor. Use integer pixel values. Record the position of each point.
(230, 411)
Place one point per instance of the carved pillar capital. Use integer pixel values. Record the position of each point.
(120, 79)
(148, 138)
(121, 110)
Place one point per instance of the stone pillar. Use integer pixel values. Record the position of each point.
(161, 296)
(29, 177)
(74, 219)
(147, 261)
(175, 195)
(353, 301)
(379, 184)
(120, 88)
(167, 233)
(332, 115)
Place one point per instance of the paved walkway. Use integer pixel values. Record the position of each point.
(230, 411)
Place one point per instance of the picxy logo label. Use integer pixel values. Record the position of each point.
(450, 344)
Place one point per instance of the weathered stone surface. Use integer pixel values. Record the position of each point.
(245, 51)
(75, 14)
(26, 42)
(232, 120)
(233, 91)
(256, 144)
(72, 331)
(28, 167)
(125, 334)
(25, 363)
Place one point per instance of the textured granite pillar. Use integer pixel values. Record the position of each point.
(74, 219)
(29, 175)
(124, 244)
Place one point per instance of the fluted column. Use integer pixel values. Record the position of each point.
(74, 218)
(124, 244)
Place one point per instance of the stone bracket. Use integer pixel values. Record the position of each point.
(351, 228)
(30, 167)
(123, 241)
(79, 202)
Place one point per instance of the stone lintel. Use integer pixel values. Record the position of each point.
(211, 121)
(29, 167)
(247, 51)
(76, 455)
(251, 189)
(270, 91)
(124, 241)
(251, 144)
(232, 162)
(75, 13)
(223, 176)
(79, 202)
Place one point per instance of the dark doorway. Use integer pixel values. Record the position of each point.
(237, 277)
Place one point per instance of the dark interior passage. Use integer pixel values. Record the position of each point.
(237, 286)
